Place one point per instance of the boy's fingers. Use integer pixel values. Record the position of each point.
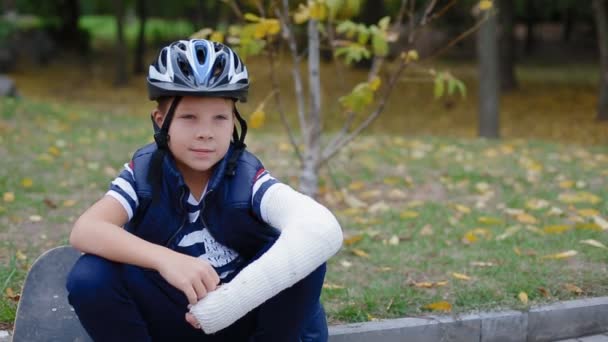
(192, 320)
(191, 295)
(201, 290)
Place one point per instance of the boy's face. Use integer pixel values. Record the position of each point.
(200, 133)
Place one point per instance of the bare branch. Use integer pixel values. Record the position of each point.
(442, 10)
(412, 21)
(297, 78)
(235, 8)
(427, 12)
(330, 151)
(460, 37)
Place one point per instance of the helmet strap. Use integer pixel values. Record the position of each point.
(239, 142)
(162, 136)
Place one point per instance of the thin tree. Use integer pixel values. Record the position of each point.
(140, 48)
(600, 9)
(121, 48)
(487, 52)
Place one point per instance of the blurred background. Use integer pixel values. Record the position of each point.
(95, 54)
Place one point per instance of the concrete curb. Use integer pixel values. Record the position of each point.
(552, 322)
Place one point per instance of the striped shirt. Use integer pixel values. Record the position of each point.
(193, 238)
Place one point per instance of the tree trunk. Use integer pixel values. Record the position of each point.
(508, 80)
(530, 21)
(600, 9)
(568, 22)
(487, 50)
(121, 48)
(140, 49)
(309, 176)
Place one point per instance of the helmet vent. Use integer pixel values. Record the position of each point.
(200, 55)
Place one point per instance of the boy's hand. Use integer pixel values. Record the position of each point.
(193, 276)
(193, 321)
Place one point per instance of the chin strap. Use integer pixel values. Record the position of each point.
(239, 143)
(161, 137)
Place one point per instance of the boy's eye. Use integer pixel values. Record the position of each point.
(221, 117)
(188, 116)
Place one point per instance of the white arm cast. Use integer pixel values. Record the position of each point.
(310, 234)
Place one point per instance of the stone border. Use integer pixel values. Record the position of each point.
(552, 322)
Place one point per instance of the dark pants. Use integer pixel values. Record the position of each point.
(118, 302)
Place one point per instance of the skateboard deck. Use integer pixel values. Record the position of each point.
(43, 313)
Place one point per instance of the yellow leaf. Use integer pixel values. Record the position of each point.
(412, 55)
(593, 243)
(543, 291)
(588, 226)
(260, 30)
(391, 180)
(360, 253)
(489, 220)
(256, 120)
(374, 84)
(482, 263)
(423, 284)
(251, 17)
(461, 276)
(474, 234)
(301, 15)
(485, 5)
(463, 209)
(523, 297)
(573, 288)
(469, 237)
(566, 184)
(217, 36)
(536, 204)
(351, 200)
(35, 218)
(8, 197)
(272, 26)
(427, 230)
(27, 182)
(439, 306)
(318, 10)
(526, 218)
(20, 255)
(69, 203)
(516, 250)
(54, 151)
(562, 255)
(579, 197)
(331, 286)
(353, 239)
(556, 229)
(408, 214)
(588, 212)
(356, 185)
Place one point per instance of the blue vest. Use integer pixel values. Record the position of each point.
(227, 212)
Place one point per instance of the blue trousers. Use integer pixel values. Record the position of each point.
(119, 302)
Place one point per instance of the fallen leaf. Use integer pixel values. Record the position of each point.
(351, 200)
(427, 230)
(594, 243)
(35, 218)
(330, 286)
(544, 292)
(356, 185)
(20, 255)
(588, 212)
(536, 204)
(556, 229)
(579, 197)
(69, 203)
(573, 288)
(508, 232)
(601, 222)
(8, 197)
(463, 209)
(394, 240)
(27, 182)
(360, 253)
(489, 220)
(346, 263)
(353, 239)
(54, 151)
(588, 226)
(49, 203)
(385, 269)
(566, 184)
(526, 218)
(482, 263)
(378, 207)
(439, 306)
(408, 214)
(461, 276)
(523, 297)
(561, 255)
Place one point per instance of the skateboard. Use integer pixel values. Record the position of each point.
(43, 313)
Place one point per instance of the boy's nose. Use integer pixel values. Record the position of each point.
(204, 132)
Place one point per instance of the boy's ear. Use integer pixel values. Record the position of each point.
(158, 117)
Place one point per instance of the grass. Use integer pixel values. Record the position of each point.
(406, 205)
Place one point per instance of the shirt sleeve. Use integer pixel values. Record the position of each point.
(262, 182)
(123, 190)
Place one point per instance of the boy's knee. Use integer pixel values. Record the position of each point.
(92, 280)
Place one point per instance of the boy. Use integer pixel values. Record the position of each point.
(211, 240)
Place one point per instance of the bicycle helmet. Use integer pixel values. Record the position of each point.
(198, 67)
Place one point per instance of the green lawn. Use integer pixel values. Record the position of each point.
(415, 210)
